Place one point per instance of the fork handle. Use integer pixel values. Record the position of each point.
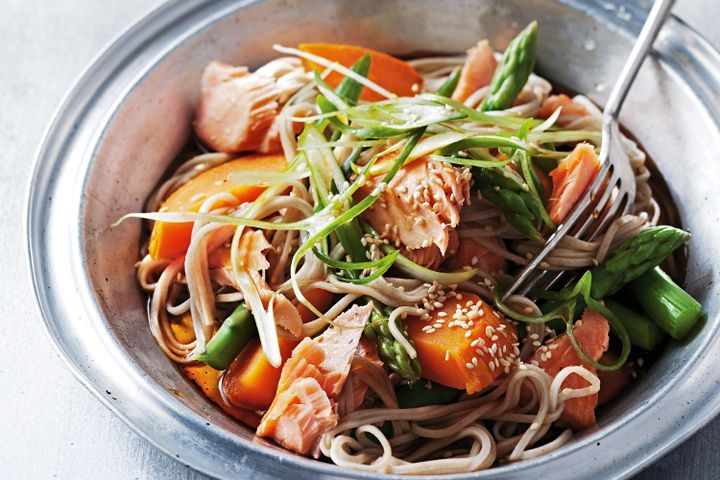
(654, 22)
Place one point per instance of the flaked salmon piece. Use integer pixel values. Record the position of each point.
(252, 250)
(236, 108)
(570, 112)
(307, 414)
(477, 72)
(421, 206)
(472, 254)
(613, 382)
(592, 333)
(354, 391)
(311, 379)
(571, 179)
(431, 257)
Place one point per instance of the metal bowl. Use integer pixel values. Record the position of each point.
(131, 112)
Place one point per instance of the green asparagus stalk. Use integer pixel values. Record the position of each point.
(235, 332)
(635, 256)
(424, 393)
(449, 85)
(511, 75)
(388, 348)
(642, 331)
(510, 194)
(671, 308)
(628, 261)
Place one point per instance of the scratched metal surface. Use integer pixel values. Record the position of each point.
(51, 426)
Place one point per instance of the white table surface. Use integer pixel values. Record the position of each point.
(50, 425)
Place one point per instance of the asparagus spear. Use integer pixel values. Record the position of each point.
(511, 195)
(235, 332)
(642, 331)
(389, 350)
(670, 307)
(628, 261)
(511, 75)
(635, 256)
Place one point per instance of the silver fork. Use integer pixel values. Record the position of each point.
(612, 193)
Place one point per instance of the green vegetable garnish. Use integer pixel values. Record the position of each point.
(635, 256)
(670, 307)
(514, 70)
(388, 348)
(449, 85)
(235, 332)
(642, 331)
(509, 191)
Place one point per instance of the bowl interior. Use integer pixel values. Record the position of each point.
(150, 122)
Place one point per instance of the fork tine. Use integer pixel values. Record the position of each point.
(597, 209)
(560, 232)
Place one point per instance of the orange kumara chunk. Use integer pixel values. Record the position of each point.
(206, 377)
(391, 73)
(319, 298)
(466, 344)
(571, 179)
(172, 239)
(250, 381)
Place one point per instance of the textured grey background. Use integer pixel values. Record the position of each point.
(51, 426)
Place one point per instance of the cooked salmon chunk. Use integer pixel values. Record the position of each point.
(571, 179)
(310, 383)
(592, 333)
(570, 112)
(477, 72)
(236, 108)
(420, 209)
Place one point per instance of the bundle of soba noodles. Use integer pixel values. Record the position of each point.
(329, 271)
